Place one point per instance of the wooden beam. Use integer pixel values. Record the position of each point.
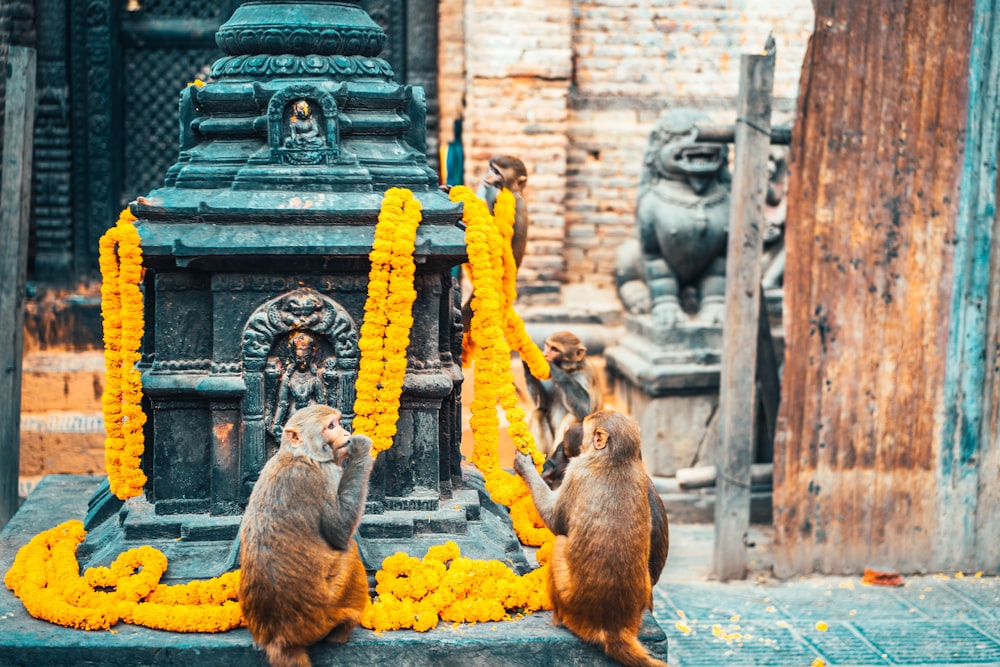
(15, 207)
(737, 387)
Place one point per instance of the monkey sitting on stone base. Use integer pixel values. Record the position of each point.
(611, 539)
(302, 578)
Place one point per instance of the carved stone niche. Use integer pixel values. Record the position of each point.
(303, 126)
(299, 349)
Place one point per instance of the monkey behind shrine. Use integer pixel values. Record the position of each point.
(607, 539)
(302, 579)
(572, 391)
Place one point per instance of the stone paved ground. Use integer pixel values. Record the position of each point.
(931, 620)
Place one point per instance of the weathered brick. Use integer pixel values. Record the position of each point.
(575, 86)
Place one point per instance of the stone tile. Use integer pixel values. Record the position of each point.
(931, 643)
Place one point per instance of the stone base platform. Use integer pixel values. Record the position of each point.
(28, 642)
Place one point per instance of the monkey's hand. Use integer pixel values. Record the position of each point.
(359, 448)
(524, 465)
(541, 494)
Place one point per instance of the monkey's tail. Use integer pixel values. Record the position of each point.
(280, 655)
(626, 649)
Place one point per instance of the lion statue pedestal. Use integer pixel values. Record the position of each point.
(671, 281)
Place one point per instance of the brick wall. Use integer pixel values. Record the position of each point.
(573, 87)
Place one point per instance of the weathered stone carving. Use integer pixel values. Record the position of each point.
(303, 126)
(298, 349)
(773, 258)
(682, 214)
(300, 384)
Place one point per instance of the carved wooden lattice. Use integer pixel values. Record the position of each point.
(153, 81)
(197, 9)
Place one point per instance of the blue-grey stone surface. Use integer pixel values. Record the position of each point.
(28, 642)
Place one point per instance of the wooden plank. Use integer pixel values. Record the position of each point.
(737, 388)
(726, 134)
(873, 201)
(970, 457)
(15, 207)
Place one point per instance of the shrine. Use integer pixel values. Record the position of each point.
(256, 258)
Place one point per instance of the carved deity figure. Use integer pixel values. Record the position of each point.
(678, 266)
(301, 385)
(775, 205)
(303, 130)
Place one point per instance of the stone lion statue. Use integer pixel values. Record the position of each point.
(677, 267)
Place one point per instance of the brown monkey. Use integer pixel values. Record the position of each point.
(507, 171)
(600, 580)
(572, 391)
(302, 578)
(554, 469)
(504, 171)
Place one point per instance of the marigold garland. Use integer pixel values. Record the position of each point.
(46, 577)
(385, 332)
(502, 253)
(443, 586)
(121, 308)
(493, 379)
(412, 593)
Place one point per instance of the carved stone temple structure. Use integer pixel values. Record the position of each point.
(256, 251)
(672, 284)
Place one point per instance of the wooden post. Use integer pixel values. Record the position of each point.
(737, 388)
(15, 207)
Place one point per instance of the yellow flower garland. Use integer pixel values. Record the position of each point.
(121, 307)
(411, 593)
(385, 332)
(493, 380)
(503, 257)
(46, 577)
(443, 586)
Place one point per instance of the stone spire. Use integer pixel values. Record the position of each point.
(300, 104)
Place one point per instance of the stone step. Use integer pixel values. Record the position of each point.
(698, 505)
(529, 640)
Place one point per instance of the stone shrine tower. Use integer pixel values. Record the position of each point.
(256, 251)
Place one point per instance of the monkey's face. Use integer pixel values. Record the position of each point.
(553, 351)
(564, 350)
(494, 177)
(336, 437)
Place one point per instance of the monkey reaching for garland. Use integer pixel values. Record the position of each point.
(302, 578)
(507, 171)
(611, 538)
(504, 172)
(572, 391)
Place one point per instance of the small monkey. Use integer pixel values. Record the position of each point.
(607, 539)
(504, 171)
(302, 578)
(507, 171)
(554, 469)
(572, 391)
